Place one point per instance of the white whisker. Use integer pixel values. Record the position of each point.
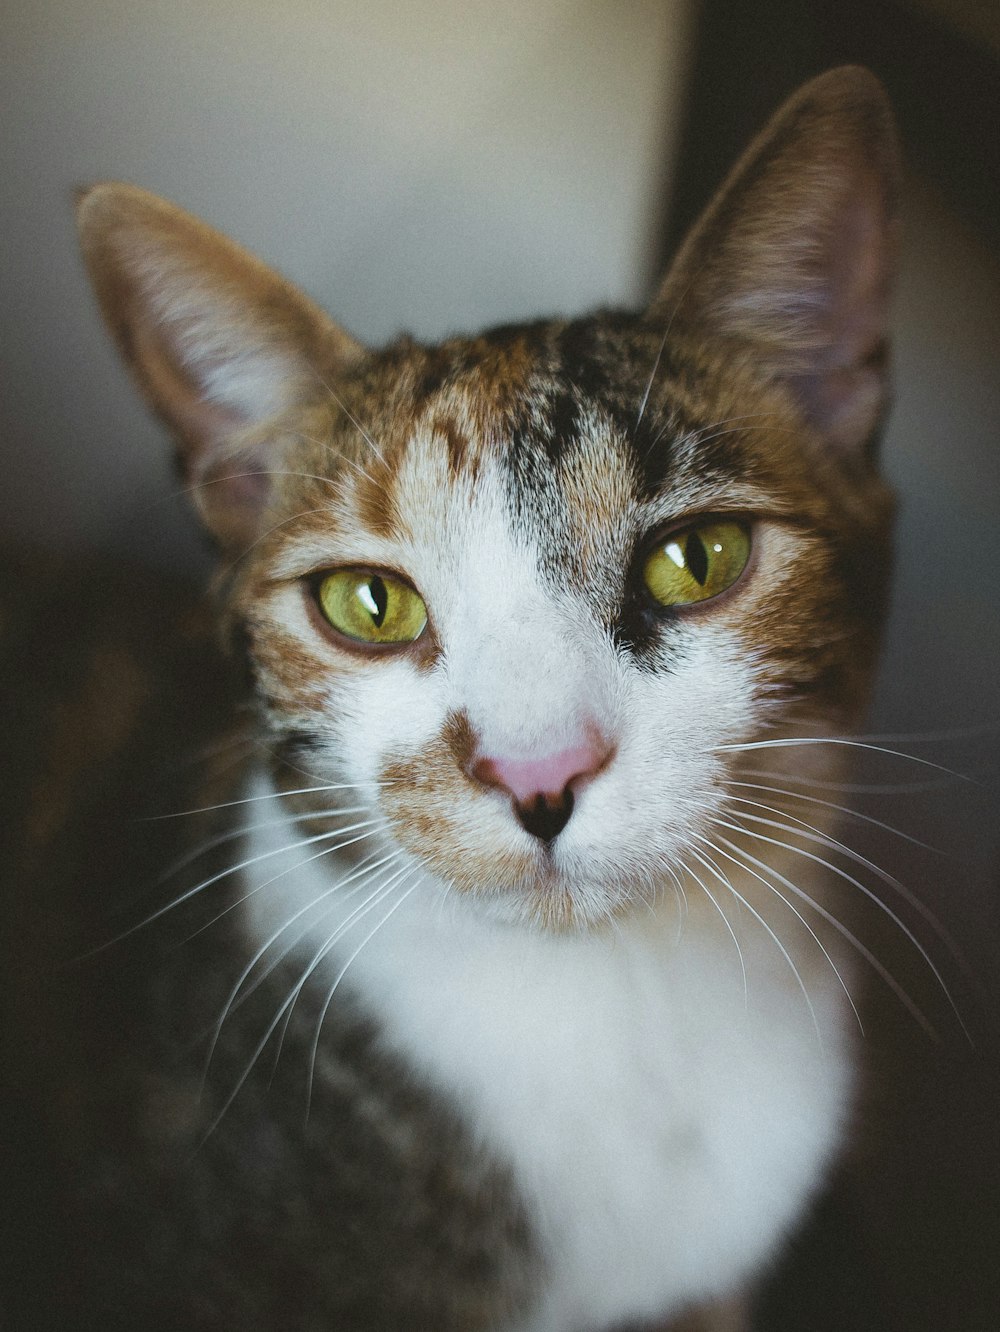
(699, 437)
(852, 788)
(758, 917)
(370, 827)
(236, 999)
(354, 422)
(840, 809)
(381, 892)
(748, 860)
(725, 920)
(230, 565)
(875, 899)
(371, 901)
(745, 746)
(679, 893)
(233, 833)
(934, 737)
(798, 914)
(267, 795)
(216, 878)
(812, 834)
(343, 972)
(652, 377)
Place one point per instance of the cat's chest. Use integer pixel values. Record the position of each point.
(663, 1134)
(663, 1123)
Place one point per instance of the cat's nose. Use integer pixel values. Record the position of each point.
(541, 789)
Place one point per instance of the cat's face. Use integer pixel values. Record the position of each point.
(525, 591)
(512, 486)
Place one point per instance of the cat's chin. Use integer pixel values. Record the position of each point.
(556, 900)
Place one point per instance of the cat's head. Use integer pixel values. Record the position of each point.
(527, 591)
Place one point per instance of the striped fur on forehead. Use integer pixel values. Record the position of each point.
(603, 431)
(542, 400)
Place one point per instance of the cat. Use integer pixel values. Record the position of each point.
(476, 987)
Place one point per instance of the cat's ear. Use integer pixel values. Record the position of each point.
(219, 343)
(792, 263)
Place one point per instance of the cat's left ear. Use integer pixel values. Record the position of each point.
(791, 265)
(219, 343)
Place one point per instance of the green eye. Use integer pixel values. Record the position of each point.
(697, 563)
(371, 607)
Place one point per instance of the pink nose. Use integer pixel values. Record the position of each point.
(527, 779)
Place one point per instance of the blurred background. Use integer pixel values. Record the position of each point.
(438, 166)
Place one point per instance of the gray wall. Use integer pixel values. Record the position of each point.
(430, 166)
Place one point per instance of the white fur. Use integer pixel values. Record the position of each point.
(665, 1122)
(665, 1127)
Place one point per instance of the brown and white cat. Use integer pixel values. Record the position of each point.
(518, 1013)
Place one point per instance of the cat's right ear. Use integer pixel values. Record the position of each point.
(219, 343)
(791, 266)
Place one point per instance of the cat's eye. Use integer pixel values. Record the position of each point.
(368, 607)
(697, 563)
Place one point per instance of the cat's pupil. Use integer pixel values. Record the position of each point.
(375, 598)
(697, 558)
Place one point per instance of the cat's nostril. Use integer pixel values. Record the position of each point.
(545, 816)
(541, 789)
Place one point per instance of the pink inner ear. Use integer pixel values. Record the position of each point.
(844, 395)
(232, 490)
(245, 490)
(859, 275)
(845, 404)
(234, 494)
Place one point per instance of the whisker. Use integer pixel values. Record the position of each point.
(725, 920)
(935, 737)
(681, 896)
(758, 917)
(205, 753)
(340, 458)
(373, 900)
(696, 438)
(356, 467)
(371, 827)
(840, 809)
(812, 834)
(272, 1027)
(699, 437)
(207, 883)
(913, 787)
(798, 914)
(677, 307)
(235, 999)
(802, 920)
(872, 897)
(340, 976)
(198, 486)
(359, 913)
(230, 565)
(354, 422)
(652, 377)
(748, 860)
(267, 795)
(288, 816)
(745, 746)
